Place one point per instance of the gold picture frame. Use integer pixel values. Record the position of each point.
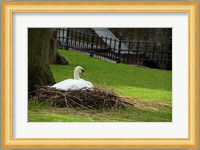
(8, 8)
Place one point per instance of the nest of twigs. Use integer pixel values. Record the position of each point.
(98, 98)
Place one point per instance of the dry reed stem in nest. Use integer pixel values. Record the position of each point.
(98, 98)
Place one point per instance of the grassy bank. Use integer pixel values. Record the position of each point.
(150, 88)
(127, 80)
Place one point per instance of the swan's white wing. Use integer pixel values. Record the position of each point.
(77, 85)
(71, 84)
(87, 84)
(64, 85)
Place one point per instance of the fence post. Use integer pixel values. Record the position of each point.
(79, 39)
(101, 42)
(129, 48)
(137, 51)
(168, 64)
(154, 49)
(106, 43)
(63, 32)
(119, 56)
(110, 43)
(119, 49)
(75, 38)
(87, 37)
(67, 40)
(120, 42)
(145, 51)
(115, 41)
(92, 44)
(83, 40)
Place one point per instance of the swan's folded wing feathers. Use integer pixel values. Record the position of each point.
(72, 84)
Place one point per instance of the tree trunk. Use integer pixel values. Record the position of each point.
(54, 56)
(39, 72)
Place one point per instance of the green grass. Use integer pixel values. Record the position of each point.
(151, 86)
(45, 113)
(127, 80)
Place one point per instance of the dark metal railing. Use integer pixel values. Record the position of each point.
(150, 54)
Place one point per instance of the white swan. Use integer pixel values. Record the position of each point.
(74, 84)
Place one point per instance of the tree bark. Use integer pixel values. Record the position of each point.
(54, 56)
(39, 72)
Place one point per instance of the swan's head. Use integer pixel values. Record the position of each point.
(78, 70)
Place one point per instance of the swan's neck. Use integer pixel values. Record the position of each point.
(76, 75)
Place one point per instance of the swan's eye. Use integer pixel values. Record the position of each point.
(82, 70)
